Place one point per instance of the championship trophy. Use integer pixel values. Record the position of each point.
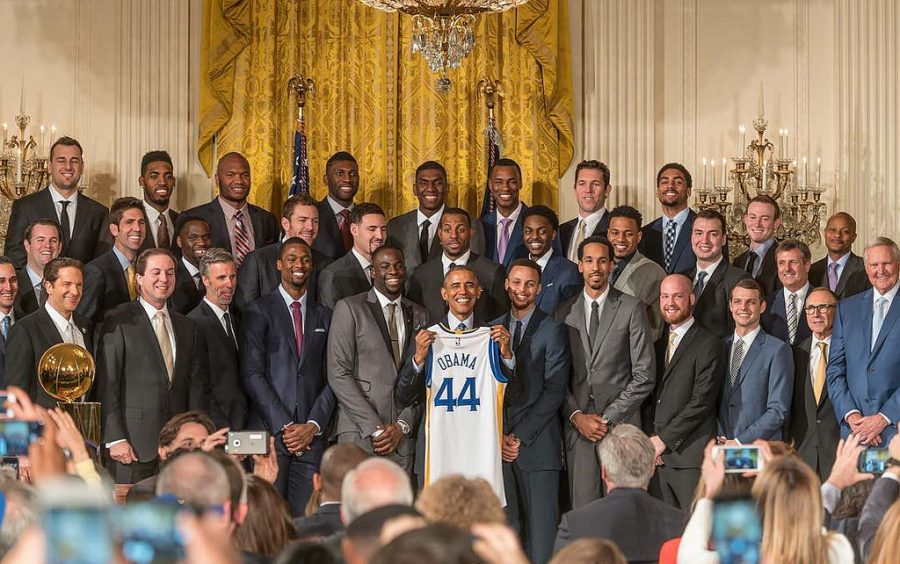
(66, 372)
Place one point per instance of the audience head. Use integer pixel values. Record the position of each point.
(342, 177)
(539, 227)
(218, 273)
(708, 236)
(676, 299)
(128, 226)
(157, 179)
(65, 165)
(590, 551)
(368, 227)
(63, 284)
(233, 179)
(762, 218)
(793, 260)
(673, 187)
(388, 270)
(595, 262)
(523, 283)
(196, 478)
(372, 530)
(886, 545)
(237, 485)
(156, 276)
(624, 231)
(267, 528)
(300, 217)
(42, 244)
(184, 431)
(306, 553)
(9, 285)
(435, 544)
(431, 186)
(591, 186)
(295, 264)
(337, 461)
(882, 259)
(821, 308)
(628, 458)
(194, 239)
(461, 291)
(375, 482)
(747, 305)
(460, 501)
(455, 232)
(20, 512)
(506, 181)
(840, 234)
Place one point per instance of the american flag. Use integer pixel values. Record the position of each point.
(300, 181)
(494, 147)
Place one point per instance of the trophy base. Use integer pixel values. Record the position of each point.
(87, 418)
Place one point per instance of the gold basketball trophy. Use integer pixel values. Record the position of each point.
(66, 372)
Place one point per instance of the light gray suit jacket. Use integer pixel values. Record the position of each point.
(403, 231)
(641, 279)
(361, 369)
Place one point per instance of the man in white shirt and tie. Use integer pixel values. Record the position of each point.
(157, 180)
(42, 244)
(834, 270)
(9, 289)
(784, 317)
(591, 190)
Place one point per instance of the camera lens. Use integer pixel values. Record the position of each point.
(236, 443)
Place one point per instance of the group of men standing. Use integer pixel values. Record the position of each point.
(316, 330)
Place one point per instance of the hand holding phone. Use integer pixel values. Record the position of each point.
(740, 459)
(873, 460)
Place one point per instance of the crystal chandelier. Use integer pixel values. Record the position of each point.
(443, 30)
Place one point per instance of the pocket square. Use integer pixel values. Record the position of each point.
(550, 284)
(320, 330)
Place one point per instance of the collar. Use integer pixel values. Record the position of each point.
(123, 260)
(842, 262)
(34, 277)
(216, 309)
(679, 218)
(384, 300)
(542, 262)
(514, 216)
(363, 261)
(462, 260)
(453, 321)
(434, 219)
(683, 328)
(58, 318)
(229, 210)
(57, 197)
(600, 299)
(815, 342)
(801, 293)
(591, 220)
(151, 310)
(622, 263)
(336, 207)
(762, 248)
(288, 300)
(709, 269)
(748, 338)
(525, 318)
(889, 295)
(152, 213)
(192, 270)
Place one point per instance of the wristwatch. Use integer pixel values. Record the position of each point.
(404, 427)
(892, 463)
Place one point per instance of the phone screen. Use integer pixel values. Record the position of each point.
(872, 460)
(77, 535)
(737, 531)
(15, 436)
(149, 534)
(741, 459)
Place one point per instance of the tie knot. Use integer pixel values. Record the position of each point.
(426, 224)
(701, 276)
(823, 346)
(504, 222)
(64, 204)
(881, 301)
(160, 316)
(461, 327)
(344, 213)
(392, 306)
(833, 266)
(672, 336)
(595, 306)
(295, 306)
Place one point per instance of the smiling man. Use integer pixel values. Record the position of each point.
(157, 180)
(342, 178)
(352, 273)
(762, 218)
(666, 240)
(784, 309)
(9, 289)
(835, 269)
(194, 239)
(591, 191)
(503, 226)
(41, 246)
(560, 279)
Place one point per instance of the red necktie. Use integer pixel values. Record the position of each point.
(345, 229)
(298, 326)
(242, 245)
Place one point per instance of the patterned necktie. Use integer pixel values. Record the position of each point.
(503, 239)
(878, 319)
(792, 317)
(736, 358)
(423, 240)
(393, 333)
(819, 374)
(594, 325)
(163, 241)
(4, 326)
(298, 326)
(669, 243)
(242, 244)
(616, 272)
(461, 327)
(344, 226)
(198, 282)
(670, 349)
(582, 230)
(131, 281)
(165, 345)
(65, 225)
(699, 285)
(832, 276)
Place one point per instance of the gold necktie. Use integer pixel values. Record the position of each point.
(165, 345)
(582, 226)
(393, 333)
(670, 350)
(132, 282)
(819, 374)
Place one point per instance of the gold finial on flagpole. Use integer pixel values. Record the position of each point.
(301, 86)
(491, 90)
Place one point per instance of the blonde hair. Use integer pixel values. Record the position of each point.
(590, 551)
(790, 505)
(886, 546)
(460, 501)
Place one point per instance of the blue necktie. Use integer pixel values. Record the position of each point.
(4, 326)
(877, 320)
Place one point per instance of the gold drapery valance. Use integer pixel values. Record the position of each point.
(377, 100)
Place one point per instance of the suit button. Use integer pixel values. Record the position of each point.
(658, 402)
(819, 421)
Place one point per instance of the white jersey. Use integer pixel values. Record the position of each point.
(464, 407)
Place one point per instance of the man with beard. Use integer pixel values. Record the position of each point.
(283, 344)
(834, 271)
(218, 329)
(9, 289)
(560, 279)
(351, 274)
(109, 280)
(41, 246)
(194, 239)
(762, 219)
(680, 414)
(342, 178)
(591, 191)
(667, 239)
(372, 337)
(157, 180)
(784, 317)
(415, 232)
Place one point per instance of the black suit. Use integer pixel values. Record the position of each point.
(329, 242)
(89, 231)
(105, 287)
(3, 358)
(259, 275)
(187, 295)
(768, 271)
(682, 411)
(133, 386)
(774, 319)
(29, 338)
(857, 284)
(342, 278)
(567, 231)
(265, 227)
(227, 403)
(812, 428)
(427, 279)
(712, 309)
(26, 299)
(325, 522)
(818, 274)
(150, 239)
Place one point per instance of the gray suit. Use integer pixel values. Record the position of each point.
(641, 278)
(362, 373)
(613, 380)
(403, 231)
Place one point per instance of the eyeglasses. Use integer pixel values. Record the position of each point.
(821, 309)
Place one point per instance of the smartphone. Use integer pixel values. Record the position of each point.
(872, 460)
(15, 436)
(10, 397)
(740, 459)
(11, 462)
(247, 442)
(76, 523)
(148, 532)
(737, 531)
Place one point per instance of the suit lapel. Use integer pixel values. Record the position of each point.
(80, 218)
(282, 317)
(684, 345)
(407, 323)
(606, 318)
(375, 308)
(575, 319)
(143, 324)
(489, 223)
(889, 320)
(309, 327)
(683, 240)
(48, 328)
(750, 357)
(849, 268)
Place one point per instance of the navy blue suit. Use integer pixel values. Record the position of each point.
(757, 406)
(283, 388)
(560, 280)
(774, 320)
(861, 377)
(652, 245)
(516, 246)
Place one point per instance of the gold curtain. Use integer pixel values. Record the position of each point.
(376, 99)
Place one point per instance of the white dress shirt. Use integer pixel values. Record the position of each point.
(801, 299)
(513, 217)
(590, 223)
(153, 220)
(434, 221)
(36, 282)
(601, 301)
(679, 333)
(70, 211)
(68, 331)
(462, 260)
(193, 271)
(364, 263)
(401, 326)
(679, 219)
(841, 263)
(542, 261)
(748, 341)
(151, 311)
(814, 354)
(708, 270)
(220, 314)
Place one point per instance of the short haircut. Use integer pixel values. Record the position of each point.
(52, 268)
(237, 480)
(457, 211)
(155, 157)
(825, 289)
(715, 216)
(21, 512)
(508, 162)
(750, 284)
(590, 551)
(120, 206)
(386, 247)
(44, 221)
(363, 209)
(171, 428)
(141, 266)
(65, 142)
(228, 156)
(375, 482)
(460, 501)
(182, 225)
(337, 461)
(593, 165)
(299, 199)
(850, 219)
(629, 212)
(628, 456)
(6, 260)
(525, 263)
(435, 544)
(457, 268)
(680, 168)
(293, 241)
(365, 531)
(215, 255)
(432, 165)
(883, 242)
(595, 239)
(339, 156)
(542, 211)
(195, 478)
(764, 199)
(794, 245)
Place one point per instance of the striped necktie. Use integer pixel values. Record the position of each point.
(242, 244)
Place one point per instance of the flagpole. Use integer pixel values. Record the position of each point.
(300, 86)
(491, 91)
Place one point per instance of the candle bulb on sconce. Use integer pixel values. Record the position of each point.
(712, 163)
(818, 172)
(725, 173)
(805, 177)
(703, 178)
(5, 134)
(40, 150)
(741, 131)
